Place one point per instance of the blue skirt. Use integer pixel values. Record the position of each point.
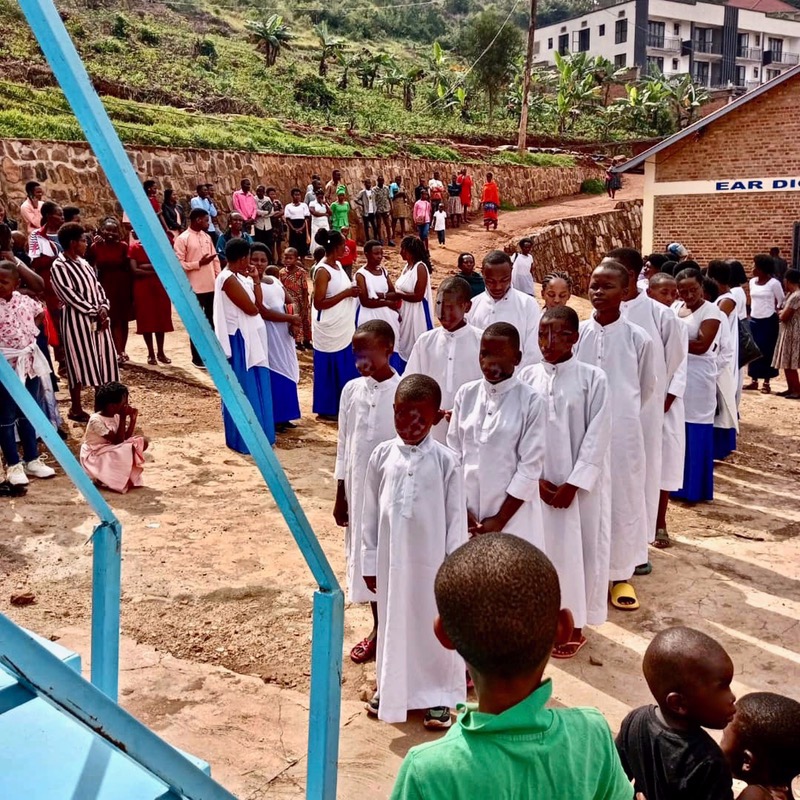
(256, 385)
(724, 442)
(331, 372)
(397, 363)
(285, 405)
(698, 468)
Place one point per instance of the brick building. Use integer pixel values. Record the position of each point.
(728, 186)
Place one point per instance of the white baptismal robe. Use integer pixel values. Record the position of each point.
(414, 516)
(366, 418)
(451, 359)
(521, 310)
(578, 434)
(661, 324)
(673, 451)
(625, 353)
(498, 431)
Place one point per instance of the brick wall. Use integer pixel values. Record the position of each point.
(70, 173)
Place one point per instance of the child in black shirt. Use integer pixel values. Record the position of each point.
(664, 748)
(762, 745)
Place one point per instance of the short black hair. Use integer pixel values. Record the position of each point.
(629, 258)
(792, 276)
(47, 208)
(503, 330)
(378, 328)
(674, 657)
(296, 189)
(556, 275)
(70, 232)
(657, 259)
(738, 275)
(237, 249)
(569, 315)
(419, 387)
(661, 277)
(9, 266)
(457, 286)
(31, 187)
(525, 240)
(498, 597)
(259, 247)
(70, 212)
(692, 273)
(720, 271)
(769, 726)
(371, 245)
(710, 289)
(668, 267)
(689, 264)
(196, 213)
(415, 247)
(461, 257)
(496, 258)
(148, 184)
(765, 263)
(112, 392)
(612, 265)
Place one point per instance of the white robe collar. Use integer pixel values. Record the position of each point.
(498, 389)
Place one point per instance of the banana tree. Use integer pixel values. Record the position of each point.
(329, 44)
(271, 34)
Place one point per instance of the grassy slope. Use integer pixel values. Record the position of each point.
(143, 57)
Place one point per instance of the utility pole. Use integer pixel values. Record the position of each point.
(526, 84)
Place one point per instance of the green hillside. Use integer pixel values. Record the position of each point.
(365, 76)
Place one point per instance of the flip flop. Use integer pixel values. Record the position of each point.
(561, 651)
(624, 590)
(83, 417)
(766, 389)
(643, 569)
(164, 359)
(662, 540)
(364, 651)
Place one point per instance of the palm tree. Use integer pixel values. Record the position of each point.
(271, 34)
(329, 46)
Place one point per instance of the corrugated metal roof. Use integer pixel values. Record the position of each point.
(764, 6)
(709, 120)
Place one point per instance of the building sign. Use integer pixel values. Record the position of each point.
(725, 186)
(759, 185)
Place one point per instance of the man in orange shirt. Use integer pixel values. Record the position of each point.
(198, 257)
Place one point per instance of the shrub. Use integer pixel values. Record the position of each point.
(121, 28)
(206, 48)
(107, 46)
(312, 92)
(148, 36)
(593, 186)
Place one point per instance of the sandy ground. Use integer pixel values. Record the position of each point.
(216, 598)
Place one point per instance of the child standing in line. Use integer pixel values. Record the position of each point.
(295, 280)
(522, 276)
(625, 353)
(414, 516)
(350, 252)
(501, 302)
(574, 485)
(440, 223)
(366, 419)
(112, 454)
(449, 354)
(498, 602)
(422, 217)
(497, 430)
(556, 289)
(762, 745)
(664, 748)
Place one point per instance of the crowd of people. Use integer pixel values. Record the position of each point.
(473, 468)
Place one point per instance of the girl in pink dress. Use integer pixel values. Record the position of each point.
(111, 454)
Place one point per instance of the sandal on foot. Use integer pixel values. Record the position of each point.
(364, 651)
(568, 649)
(662, 540)
(624, 591)
(643, 569)
(163, 359)
(766, 389)
(373, 705)
(751, 387)
(81, 417)
(151, 360)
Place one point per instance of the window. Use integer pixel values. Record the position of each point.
(755, 72)
(621, 13)
(700, 72)
(704, 41)
(675, 65)
(563, 44)
(621, 31)
(655, 65)
(776, 48)
(601, 30)
(676, 29)
(580, 41)
(772, 73)
(740, 76)
(758, 40)
(620, 61)
(584, 23)
(655, 34)
(550, 43)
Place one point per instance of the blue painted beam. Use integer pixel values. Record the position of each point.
(42, 673)
(106, 540)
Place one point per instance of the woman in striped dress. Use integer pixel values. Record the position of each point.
(85, 331)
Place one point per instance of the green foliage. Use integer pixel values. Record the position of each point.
(593, 186)
(532, 159)
(548, 12)
(271, 34)
(148, 36)
(312, 92)
(121, 28)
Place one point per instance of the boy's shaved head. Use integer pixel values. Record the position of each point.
(661, 278)
(418, 388)
(378, 328)
(457, 286)
(498, 598)
(629, 258)
(504, 330)
(610, 265)
(496, 258)
(569, 315)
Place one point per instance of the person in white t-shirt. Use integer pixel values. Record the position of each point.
(766, 297)
(440, 223)
(320, 212)
(522, 276)
(298, 220)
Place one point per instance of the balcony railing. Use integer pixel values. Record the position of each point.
(669, 43)
(707, 48)
(749, 53)
(748, 85)
(781, 57)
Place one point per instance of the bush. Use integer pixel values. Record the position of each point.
(206, 48)
(107, 46)
(593, 186)
(148, 36)
(313, 93)
(121, 28)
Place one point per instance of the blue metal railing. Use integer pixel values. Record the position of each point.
(328, 616)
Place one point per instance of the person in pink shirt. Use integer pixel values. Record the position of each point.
(31, 208)
(422, 217)
(198, 257)
(244, 201)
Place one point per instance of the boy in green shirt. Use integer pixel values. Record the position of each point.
(340, 210)
(499, 606)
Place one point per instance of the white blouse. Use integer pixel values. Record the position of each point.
(766, 299)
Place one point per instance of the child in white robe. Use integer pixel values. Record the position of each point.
(498, 431)
(414, 516)
(625, 353)
(664, 329)
(664, 290)
(366, 418)
(448, 354)
(502, 303)
(575, 484)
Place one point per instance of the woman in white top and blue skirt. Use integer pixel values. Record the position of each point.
(241, 332)
(333, 324)
(703, 321)
(766, 298)
(413, 289)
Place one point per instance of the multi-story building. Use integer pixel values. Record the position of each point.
(742, 43)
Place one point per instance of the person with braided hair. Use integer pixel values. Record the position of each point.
(556, 289)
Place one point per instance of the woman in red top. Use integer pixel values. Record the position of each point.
(491, 202)
(109, 256)
(151, 303)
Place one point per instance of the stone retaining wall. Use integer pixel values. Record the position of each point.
(70, 173)
(577, 244)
